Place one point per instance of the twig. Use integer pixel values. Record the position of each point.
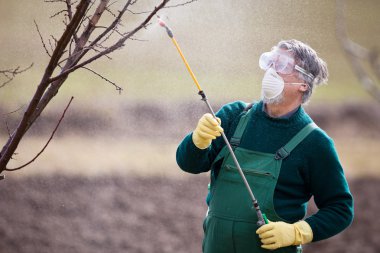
(165, 7)
(69, 11)
(47, 143)
(114, 30)
(70, 16)
(9, 132)
(18, 109)
(110, 12)
(51, 45)
(73, 55)
(132, 38)
(138, 13)
(54, 1)
(11, 73)
(118, 88)
(42, 39)
(98, 51)
(112, 3)
(181, 4)
(55, 40)
(59, 12)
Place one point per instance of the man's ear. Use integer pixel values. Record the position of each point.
(304, 87)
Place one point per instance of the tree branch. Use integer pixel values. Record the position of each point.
(117, 45)
(71, 61)
(68, 8)
(105, 32)
(47, 143)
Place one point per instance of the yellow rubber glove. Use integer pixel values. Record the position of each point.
(275, 235)
(206, 131)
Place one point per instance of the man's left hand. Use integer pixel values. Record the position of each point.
(275, 235)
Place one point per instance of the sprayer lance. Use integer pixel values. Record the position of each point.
(261, 217)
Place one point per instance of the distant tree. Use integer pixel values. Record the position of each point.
(359, 55)
(78, 46)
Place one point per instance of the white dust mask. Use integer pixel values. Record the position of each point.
(272, 84)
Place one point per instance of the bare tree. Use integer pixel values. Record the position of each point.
(359, 55)
(77, 47)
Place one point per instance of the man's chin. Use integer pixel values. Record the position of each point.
(273, 101)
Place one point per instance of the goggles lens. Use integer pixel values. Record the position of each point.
(282, 62)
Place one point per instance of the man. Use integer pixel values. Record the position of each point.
(285, 157)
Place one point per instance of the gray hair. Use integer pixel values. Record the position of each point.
(307, 58)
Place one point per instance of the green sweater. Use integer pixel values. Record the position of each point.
(312, 169)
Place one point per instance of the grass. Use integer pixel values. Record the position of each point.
(90, 156)
(100, 155)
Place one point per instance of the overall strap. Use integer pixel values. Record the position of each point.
(235, 140)
(239, 131)
(284, 152)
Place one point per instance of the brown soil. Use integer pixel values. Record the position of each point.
(135, 214)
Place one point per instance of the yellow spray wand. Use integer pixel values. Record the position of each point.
(262, 219)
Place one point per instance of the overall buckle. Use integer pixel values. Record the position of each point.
(235, 142)
(281, 154)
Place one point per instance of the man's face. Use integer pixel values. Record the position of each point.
(294, 86)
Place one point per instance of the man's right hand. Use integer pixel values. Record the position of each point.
(206, 131)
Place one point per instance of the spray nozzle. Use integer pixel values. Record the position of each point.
(162, 23)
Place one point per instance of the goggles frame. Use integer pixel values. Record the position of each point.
(281, 61)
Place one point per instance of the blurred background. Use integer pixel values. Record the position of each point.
(109, 180)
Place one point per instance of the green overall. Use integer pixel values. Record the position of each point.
(230, 225)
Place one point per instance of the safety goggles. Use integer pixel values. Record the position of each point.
(282, 61)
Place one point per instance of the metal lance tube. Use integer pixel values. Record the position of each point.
(261, 217)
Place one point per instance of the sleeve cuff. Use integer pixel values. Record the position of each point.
(304, 233)
(194, 148)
